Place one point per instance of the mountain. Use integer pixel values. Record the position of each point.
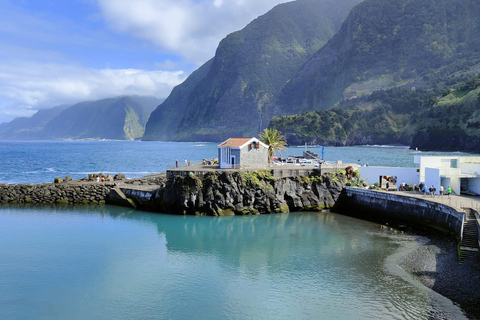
(121, 118)
(26, 128)
(386, 43)
(228, 95)
(114, 118)
(452, 123)
(441, 117)
(149, 103)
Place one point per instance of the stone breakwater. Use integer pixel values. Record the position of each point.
(241, 193)
(62, 193)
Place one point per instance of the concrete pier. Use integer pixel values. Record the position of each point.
(397, 206)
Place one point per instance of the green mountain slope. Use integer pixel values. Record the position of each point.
(115, 118)
(385, 43)
(228, 95)
(446, 117)
(122, 118)
(452, 123)
(26, 128)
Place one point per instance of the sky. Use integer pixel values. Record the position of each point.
(56, 52)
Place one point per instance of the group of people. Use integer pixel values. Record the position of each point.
(185, 161)
(431, 191)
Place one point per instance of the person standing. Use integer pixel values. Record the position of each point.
(449, 191)
(176, 163)
(441, 191)
(186, 162)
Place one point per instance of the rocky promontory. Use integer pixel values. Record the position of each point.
(215, 193)
(242, 193)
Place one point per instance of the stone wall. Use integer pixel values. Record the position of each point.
(62, 193)
(254, 158)
(375, 205)
(477, 215)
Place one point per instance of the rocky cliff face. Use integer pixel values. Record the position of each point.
(398, 39)
(243, 193)
(227, 96)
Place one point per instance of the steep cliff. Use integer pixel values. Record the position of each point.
(227, 96)
(385, 43)
(28, 128)
(121, 118)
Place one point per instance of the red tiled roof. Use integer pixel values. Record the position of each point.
(234, 142)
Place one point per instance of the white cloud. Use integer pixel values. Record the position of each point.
(25, 88)
(52, 59)
(190, 28)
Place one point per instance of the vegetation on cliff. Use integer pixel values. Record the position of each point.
(443, 117)
(241, 193)
(389, 62)
(227, 96)
(453, 122)
(385, 43)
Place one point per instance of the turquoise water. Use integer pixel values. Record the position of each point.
(112, 263)
(42, 161)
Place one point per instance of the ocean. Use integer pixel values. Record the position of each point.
(43, 161)
(115, 263)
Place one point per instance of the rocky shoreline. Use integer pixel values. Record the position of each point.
(435, 264)
(216, 193)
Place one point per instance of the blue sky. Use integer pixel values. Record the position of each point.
(56, 52)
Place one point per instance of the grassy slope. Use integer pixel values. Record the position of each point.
(395, 41)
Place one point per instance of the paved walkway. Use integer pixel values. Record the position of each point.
(457, 202)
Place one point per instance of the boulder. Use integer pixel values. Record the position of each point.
(119, 176)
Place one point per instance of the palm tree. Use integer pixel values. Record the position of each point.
(275, 141)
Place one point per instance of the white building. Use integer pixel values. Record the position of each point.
(243, 153)
(372, 174)
(461, 173)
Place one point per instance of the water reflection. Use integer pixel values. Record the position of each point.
(299, 266)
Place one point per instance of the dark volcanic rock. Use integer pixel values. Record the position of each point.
(247, 193)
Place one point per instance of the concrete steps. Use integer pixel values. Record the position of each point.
(469, 244)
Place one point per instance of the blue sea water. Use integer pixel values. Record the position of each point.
(43, 161)
(115, 263)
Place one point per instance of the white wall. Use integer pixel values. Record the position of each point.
(470, 168)
(371, 174)
(474, 185)
(432, 178)
(433, 162)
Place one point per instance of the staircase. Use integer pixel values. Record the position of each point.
(469, 244)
